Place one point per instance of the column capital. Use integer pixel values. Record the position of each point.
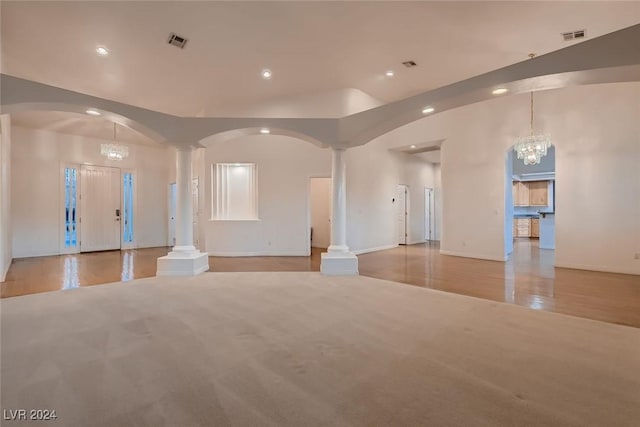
(341, 149)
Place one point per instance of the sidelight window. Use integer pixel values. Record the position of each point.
(71, 207)
(127, 208)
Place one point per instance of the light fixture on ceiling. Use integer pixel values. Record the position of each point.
(532, 148)
(427, 110)
(102, 51)
(92, 112)
(266, 74)
(265, 131)
(500, 91)
(389, 73)
(413, 146)
(114, 151)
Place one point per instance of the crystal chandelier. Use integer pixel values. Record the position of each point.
(532, 148)
(114, 151)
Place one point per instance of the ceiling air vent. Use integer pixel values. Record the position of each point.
(177, 40)
(572, 35)
(409, 64)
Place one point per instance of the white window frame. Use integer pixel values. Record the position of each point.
(133, 244)
(63, 249)
(219, 192)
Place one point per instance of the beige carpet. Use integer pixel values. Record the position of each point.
(299, 349)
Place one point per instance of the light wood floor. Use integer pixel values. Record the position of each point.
(528, 278)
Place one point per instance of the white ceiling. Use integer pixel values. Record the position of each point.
(313, 48)
(78, 124)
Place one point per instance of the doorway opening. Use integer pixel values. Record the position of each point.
(319, 212)
(402, 212)
(530, 203)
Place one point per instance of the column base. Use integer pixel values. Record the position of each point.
(339, 264)
(183, 263)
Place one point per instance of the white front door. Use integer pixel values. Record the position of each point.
(100, 208)
(401, 213)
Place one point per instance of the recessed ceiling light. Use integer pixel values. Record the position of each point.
(413, 146)
(103, 51)
(427, 110)
(500, 91)
(389, 73)
(93, 112)
(265, 131)
(266, 74)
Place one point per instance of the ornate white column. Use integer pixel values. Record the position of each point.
(338, 260)
(184, 259)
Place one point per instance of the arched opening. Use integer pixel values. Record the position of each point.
(256, 193)
(57, 110)
(85, 182)
(530, 209)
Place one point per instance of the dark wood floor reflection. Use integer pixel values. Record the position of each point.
(528, 278)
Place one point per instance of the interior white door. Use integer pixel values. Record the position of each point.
(428, 214)
(401, 213)
(173, 203)
(100, 208)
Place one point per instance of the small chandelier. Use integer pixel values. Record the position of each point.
(114, 151)
(532, 148)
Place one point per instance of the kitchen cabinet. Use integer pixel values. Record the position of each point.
(526, 227)
(530, 193)
(523, 227)
(535, 227)
(521, 194)
(538, 194)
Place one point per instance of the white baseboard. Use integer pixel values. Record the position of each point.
(475, 256)
(258, 253)
(376, 249)
(602, 268)
(149, 246)
(36, 255)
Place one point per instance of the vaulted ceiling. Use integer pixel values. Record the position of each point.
(328, 58)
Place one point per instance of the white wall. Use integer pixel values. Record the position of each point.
(437, 177)
(373, 172)
(37, 157)
(5, 196)
(508, 203)
(596, 132)
(320, 194)
(284, 168)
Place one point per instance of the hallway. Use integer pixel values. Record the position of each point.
(527, 279)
